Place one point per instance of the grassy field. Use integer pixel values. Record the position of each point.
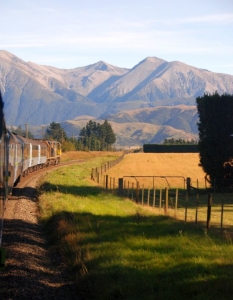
(117, 249)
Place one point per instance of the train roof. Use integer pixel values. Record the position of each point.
(30, 141)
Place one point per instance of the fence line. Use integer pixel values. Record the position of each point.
(188, 204)
(97, 172)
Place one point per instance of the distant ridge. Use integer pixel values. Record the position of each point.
(38, 95)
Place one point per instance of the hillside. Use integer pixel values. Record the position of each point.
(154, 92)
(148, 125)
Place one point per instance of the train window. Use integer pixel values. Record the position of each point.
(43, 151)
(26, 151)
(35, 151)
(52, 152)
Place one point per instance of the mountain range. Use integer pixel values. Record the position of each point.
(152, 101)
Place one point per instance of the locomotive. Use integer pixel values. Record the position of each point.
(20, 156)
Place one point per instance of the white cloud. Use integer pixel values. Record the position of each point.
(226, 18)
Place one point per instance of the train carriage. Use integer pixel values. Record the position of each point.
(34, 155)
(15, 159)
(3, 179)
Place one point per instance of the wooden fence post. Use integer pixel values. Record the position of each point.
(209, 210)
(137, 192)
(154, 196)
(106, 182)
(142, 194)
(148, 197)
(188, 182)
(166, 201)
(176, 202)
(222, 209)
(120, 186)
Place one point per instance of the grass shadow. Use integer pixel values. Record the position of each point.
(139, 257)
(72, 189)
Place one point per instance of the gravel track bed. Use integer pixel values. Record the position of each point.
(32, 270)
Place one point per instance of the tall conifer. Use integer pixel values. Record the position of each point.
(216, 136)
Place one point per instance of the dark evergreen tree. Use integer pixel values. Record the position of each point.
(96, 137)
(56, 132)
(216, 136)
(107, 135)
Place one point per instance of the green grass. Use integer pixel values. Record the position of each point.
(118, 250)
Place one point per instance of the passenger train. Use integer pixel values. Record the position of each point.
(20, 156)
(28, 155)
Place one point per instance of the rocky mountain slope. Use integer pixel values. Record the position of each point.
(153, 93)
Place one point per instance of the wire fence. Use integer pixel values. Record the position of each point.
(198, 204)
(97, 173)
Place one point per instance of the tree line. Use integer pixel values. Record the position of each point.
(94, 136)
(173, 141)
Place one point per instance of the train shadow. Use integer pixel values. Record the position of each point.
(32, 271)
(26, 192)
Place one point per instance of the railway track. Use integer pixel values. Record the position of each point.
(25, 191)
(32, 270)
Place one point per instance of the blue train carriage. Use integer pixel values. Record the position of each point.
(3, 189)
(53, 152)
(3, 179)
(15, 159)
(34, 155)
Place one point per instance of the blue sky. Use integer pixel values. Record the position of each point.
(75, 33)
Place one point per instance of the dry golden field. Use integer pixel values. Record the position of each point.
(175, 167)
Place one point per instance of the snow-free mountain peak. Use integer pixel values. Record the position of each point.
(36, 94)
